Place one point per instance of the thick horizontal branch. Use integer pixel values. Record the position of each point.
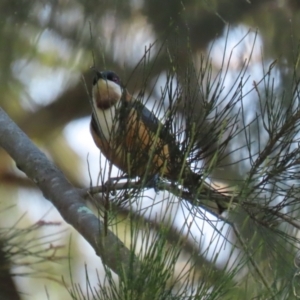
(67, 199)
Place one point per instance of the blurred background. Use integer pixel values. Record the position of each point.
(46, 51)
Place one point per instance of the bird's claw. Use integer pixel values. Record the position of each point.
(153, 183)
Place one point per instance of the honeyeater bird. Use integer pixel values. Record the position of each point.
(133, 139)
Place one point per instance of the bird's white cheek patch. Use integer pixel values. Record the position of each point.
(106, 94)
(106, 100)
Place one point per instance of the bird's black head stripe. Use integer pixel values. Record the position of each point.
(107, 75)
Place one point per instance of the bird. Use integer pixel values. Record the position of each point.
(133, 139)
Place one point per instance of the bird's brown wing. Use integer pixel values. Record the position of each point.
(151, 145)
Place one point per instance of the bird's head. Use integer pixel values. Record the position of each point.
(107, 89)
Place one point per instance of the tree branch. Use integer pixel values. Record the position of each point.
(67, 199)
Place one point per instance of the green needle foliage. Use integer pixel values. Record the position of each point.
(225, 224)
(261, 222)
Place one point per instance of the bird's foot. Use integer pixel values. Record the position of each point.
(153, 182)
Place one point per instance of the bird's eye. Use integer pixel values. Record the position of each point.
(115, 79)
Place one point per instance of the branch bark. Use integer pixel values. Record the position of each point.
(66, 198)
